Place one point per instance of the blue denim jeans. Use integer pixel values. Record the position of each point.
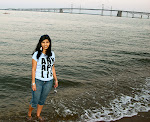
(42, 89)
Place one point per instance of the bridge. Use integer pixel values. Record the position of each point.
(102, 12)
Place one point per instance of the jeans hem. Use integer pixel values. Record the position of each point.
(32, 106)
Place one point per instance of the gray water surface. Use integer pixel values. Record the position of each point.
(102, 64)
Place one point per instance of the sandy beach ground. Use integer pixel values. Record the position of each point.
(141, 117)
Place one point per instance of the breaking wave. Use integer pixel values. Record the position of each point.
(123, 106)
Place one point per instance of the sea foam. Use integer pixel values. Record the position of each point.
(123, 106)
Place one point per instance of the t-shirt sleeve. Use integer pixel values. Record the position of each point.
(53, 55)
(35, 56)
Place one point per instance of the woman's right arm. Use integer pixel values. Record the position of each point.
(34, 64)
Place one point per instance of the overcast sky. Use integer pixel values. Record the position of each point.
(133, 5)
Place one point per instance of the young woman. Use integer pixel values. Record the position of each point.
(43, 72)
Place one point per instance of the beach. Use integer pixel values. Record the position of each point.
(141, 117)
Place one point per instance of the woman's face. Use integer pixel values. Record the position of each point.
(45, 44)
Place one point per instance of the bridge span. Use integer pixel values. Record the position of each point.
(102, 12)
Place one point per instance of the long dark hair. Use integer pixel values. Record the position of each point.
(48, 51)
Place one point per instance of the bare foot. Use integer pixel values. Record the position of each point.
(40, 118)
(29, 113)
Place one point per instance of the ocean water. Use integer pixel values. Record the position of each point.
(102, 64)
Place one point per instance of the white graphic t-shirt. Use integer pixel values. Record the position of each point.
(44, 66)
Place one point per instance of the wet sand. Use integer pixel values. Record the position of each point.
(141, 117)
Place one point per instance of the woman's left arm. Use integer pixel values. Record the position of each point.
(55, 77)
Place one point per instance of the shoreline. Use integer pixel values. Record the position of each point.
(140, 117)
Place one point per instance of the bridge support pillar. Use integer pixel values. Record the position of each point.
(61, 11)
(127, 14)
(132, 15)
(119, 14)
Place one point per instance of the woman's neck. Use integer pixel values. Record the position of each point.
(44, 51)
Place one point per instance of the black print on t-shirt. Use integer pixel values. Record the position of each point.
(48, 68)
(52, 59)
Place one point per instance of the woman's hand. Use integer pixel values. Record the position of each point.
(56, 84)
(34, 87)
